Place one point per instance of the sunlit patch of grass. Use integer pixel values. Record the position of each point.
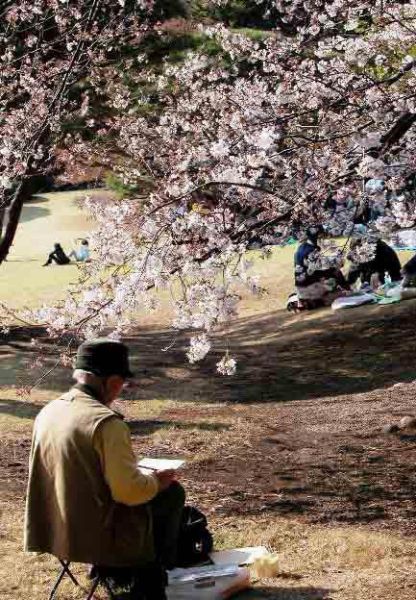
(28, 575)
(306, 550)
(144, 409)
(56, 217)
(17, 413)
(47, 219)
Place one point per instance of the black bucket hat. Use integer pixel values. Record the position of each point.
(104, 357)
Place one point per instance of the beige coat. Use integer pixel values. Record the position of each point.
(69, 510)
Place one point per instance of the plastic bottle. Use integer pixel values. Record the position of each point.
(375, 281)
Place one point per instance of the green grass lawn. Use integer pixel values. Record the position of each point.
(55, 217)
(47, 219)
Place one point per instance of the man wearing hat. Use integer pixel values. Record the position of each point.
(87, 501)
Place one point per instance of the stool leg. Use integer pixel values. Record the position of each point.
(67, 570)
(93, 588)
(73, 579)
(58, 582)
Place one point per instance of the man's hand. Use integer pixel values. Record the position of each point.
(165, 478)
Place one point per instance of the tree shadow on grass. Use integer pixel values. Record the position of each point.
(37, 199)
(16, 408)
(280, 357)
(30, 213)
(149, 426)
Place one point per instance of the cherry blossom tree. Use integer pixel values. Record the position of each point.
(296, 126)
(47, 49)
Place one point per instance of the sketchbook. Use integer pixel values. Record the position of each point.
(159, 464)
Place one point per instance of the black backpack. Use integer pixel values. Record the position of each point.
(195, 540)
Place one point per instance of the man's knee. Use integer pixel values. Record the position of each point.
(177, 493)
(171, 499)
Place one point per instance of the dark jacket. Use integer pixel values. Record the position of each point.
(59, 255)
(302, 277)
(386, 260)
(410, 267)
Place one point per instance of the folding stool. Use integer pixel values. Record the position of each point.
(99, 579)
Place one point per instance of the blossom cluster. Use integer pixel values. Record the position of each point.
(312, 122)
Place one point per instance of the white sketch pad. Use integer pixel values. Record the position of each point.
(159, 464)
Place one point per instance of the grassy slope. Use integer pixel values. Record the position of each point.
(52, 218)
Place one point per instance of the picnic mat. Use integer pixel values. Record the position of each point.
(387, 294)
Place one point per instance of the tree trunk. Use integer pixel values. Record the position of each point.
(399, 129)
(10, 217)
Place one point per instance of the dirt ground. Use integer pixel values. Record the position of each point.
(323, 461)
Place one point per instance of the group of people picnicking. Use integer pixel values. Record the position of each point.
(80, 254)
(316, 287)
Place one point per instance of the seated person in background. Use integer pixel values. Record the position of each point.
(307, 247)
(82, 253)
(409, 273)
(385, 261)
(312, 287)
(87, 501)
(58, 256)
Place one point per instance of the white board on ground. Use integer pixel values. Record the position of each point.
(212, 582)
